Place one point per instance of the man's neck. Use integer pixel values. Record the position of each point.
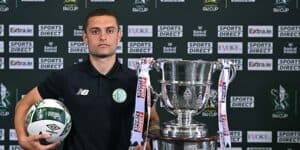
(103, 65)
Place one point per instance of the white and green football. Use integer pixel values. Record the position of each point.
(49, 116)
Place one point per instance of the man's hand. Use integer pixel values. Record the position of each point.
(32, 142)
(141, 147)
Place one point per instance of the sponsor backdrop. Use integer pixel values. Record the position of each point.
(260, 36)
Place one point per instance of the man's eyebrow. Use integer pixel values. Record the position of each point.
(108, 27)
(111, 27)
(92, 28)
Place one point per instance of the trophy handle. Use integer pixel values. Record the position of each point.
(218, 66)
(156, 95)
(158, 66)
(233, 72)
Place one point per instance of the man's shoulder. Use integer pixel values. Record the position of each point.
(74, 68)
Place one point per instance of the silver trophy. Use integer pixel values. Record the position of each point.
(185, 91)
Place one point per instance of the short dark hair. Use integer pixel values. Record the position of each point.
(100, 12)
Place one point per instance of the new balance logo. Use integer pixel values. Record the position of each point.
(83, 92)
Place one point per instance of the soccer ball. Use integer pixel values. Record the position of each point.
(49, 116)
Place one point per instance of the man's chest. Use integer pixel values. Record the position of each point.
(91, 92)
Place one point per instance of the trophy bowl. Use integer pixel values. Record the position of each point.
(185, 90)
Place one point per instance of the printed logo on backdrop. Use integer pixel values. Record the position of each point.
(140, 47)
(1, 46)
(1, 29)
(3, 6)
(13, 135)
(51, 30)
(15, 147)
(170, 48)
(259, 136)
(21, 63)
(210, 5)
(281, 6)
(140, 31)
(77, 47)
(288, 137)
(199, 47)
(51, 63)
(169, 30)
(260, 64)
(70, 5)
(280, 101)
(236, 136)
(33, 0)
(290, 48)
(230, 31)
(21, 46)
(2, 63)
(78, 31)
(20, 30)
(121, 28)
(2, 134)
(289, 31)
(50, 47)
(5, 101)
(230, 48)
(288, 64)
(212, 105)
(259, 148)
(140, 6)
(174, 1)
(199, 32)
(260, 47)
(132, 63)
(238, 62)
(260, 31)
(102, 0)
(119, 49)
(242, 1)
(242, 101)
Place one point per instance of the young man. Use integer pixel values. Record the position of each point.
(102, 115)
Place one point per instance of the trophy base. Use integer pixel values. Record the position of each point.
(167, 143)
(193, 130)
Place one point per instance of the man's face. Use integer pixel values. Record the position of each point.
(102, 36)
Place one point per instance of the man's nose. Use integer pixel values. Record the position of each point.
(102, 36)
